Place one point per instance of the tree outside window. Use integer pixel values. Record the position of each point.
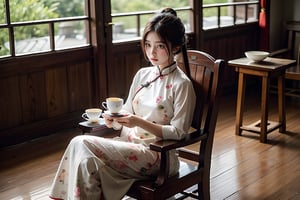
(34, 37)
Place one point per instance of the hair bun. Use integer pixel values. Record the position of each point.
(169, 10)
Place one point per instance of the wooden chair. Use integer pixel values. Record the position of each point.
(194, 173)
(292, 73)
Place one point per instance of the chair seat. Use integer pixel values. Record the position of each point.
(293, 73)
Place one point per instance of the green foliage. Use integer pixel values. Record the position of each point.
(31, 10)
(22, 11)
(119, 6)
(214, 1)
(67, 8)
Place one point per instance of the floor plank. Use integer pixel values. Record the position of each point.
(242, 167)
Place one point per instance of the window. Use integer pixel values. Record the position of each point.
(129, 17)
(229, 14)
(35, 26)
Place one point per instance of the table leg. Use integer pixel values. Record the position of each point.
(240, 104)
(281, 103)
(264, 108)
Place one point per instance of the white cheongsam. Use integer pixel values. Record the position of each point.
(93, 166)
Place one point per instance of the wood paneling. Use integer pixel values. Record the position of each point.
(120, 76)
(44, 93)
(57, 91)
(10, 103)
(80, 86)
(33, 96)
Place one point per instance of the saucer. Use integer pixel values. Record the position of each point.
(98, 121)
(120, 114)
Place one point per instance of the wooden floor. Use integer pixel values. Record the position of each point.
(242, 167)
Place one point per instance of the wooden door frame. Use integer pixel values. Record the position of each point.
(101, 41)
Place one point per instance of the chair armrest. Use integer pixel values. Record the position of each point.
(166, 145)
(281, 53)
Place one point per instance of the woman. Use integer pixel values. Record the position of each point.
(160, 105)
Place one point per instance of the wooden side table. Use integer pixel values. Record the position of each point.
(270, 67)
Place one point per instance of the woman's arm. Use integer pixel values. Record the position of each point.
(134, 120)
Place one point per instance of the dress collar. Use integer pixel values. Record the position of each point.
(166, 70)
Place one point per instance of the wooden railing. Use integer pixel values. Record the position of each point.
(234, 13)
(137, 15)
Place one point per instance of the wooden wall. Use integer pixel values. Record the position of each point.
(230, 43)
(127, 59)
(43, 93)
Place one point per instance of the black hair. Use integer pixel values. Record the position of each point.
(169, 28)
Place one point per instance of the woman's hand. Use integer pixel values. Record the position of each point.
(108, 120)
(129, 121)
(111, 122)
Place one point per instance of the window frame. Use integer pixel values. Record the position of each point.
(10, 26)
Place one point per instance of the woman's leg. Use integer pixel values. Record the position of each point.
(92, 164)
(77, 176)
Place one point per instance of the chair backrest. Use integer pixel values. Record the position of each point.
(206, 74)
(293, 30)
(290, 41)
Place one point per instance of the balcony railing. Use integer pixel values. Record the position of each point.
(129, 26)
(229, 14)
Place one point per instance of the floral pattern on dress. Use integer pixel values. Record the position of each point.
(118, 162)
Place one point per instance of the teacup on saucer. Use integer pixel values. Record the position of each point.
(92, 115)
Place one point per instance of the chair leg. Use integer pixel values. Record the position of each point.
(205, 187)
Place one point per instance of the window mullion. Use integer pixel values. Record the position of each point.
(52, 36)
(10, 29)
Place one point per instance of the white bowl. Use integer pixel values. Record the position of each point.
(256, 55)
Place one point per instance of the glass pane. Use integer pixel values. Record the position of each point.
(2, 11)
(70, 34)
(240, 14)
(186, 18)
(36, 10)
(4, 43)
(32, 39)
(21, 10)
(210, 19)
(226, 17)
(144, 20)
(68, 8)
(121, 6)
(252, 13)
(126, 27)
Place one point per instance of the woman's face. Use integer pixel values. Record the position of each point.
(156, 50)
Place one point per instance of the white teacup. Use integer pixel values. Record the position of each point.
(92, 114)
(113, 104)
